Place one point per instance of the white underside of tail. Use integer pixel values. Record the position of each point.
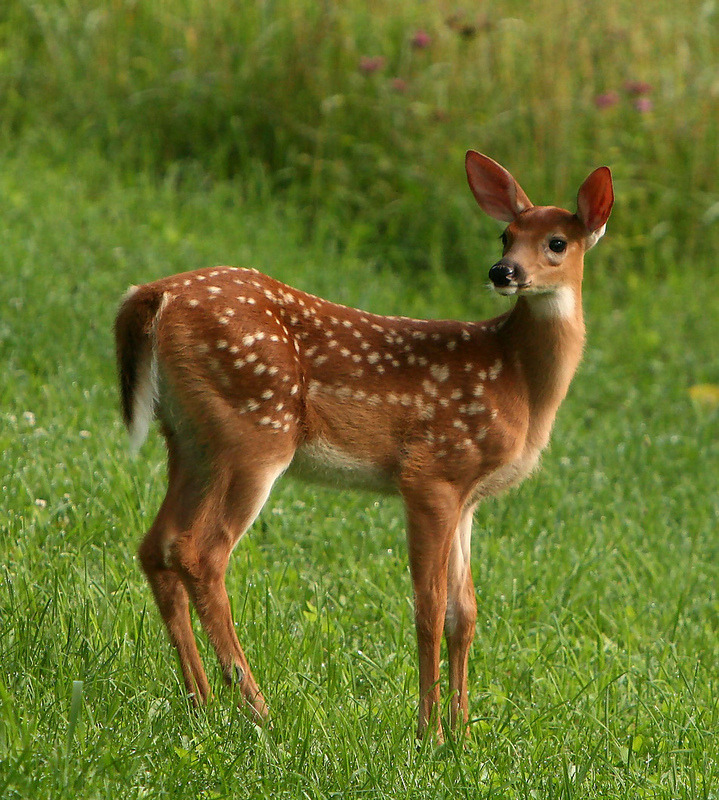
(143, 402)
(147, 390)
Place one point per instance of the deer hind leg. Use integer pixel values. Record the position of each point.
(460, 618)
(432, 514)
(167, 587)
(201, 555)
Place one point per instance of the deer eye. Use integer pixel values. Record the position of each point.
(557, 245)
(504, 239)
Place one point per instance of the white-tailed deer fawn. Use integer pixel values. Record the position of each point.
(250, 378)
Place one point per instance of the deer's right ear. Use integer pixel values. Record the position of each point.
(496, 191)
(594, 203)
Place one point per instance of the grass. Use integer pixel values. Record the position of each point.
(141, 139)
(593, 672)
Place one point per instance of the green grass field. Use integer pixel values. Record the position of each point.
(594, 669)
(593, 673)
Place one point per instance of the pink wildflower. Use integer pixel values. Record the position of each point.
(643, 104)
(421, 40)
(606, 100)
(399, 85)
(371, 64)
(638, 88)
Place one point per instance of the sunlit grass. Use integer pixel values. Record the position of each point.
(593, 672)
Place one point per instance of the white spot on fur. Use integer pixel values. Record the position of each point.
(440, 372)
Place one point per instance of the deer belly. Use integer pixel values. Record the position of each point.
(508, 475)
(320, 461)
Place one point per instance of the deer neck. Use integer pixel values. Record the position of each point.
(544, 336)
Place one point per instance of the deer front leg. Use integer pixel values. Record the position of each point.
(460, 619)
(432, 514)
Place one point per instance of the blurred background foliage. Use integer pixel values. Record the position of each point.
(366, 108)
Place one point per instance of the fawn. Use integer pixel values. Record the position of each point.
(250, 378)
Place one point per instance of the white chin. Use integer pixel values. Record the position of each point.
(506, 291)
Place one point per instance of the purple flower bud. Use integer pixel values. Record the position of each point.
(606, 100)
(637, 88)
(421, 40)
(399, 85)
(371, 64)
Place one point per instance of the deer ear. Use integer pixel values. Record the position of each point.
(496, 191)
(594, 203)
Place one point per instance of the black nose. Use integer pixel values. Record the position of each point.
(501, 274)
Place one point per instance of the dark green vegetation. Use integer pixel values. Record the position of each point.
(346, 106)
(594, 669)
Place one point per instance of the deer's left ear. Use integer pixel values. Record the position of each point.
(594, 203)
(496, 191)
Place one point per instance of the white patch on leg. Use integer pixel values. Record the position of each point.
(459, 558)
(273, 473)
